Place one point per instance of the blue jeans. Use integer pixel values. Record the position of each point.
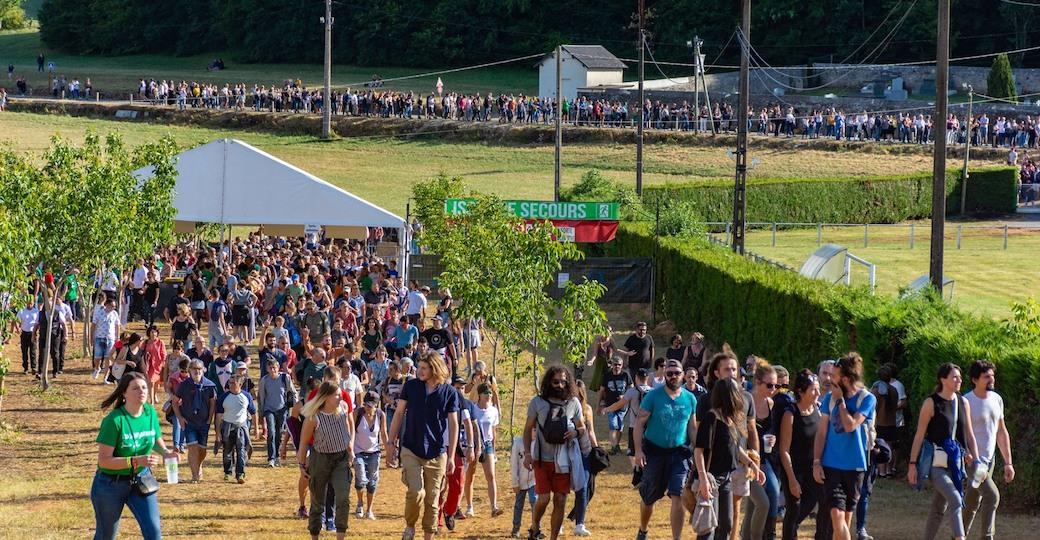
(177, 433)
(865, 490)
(275, 421)
(108, 495)
(518, 504)
(235, 441)
(581, 496)
(366, 471)
(772, 487)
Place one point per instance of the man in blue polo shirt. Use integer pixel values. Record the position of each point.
(663, 447)
(431, 433)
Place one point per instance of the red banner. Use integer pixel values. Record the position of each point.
(582, 231)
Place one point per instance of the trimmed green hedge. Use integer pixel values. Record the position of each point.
(797, 322)
(845, 200)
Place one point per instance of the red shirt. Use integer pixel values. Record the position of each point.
(342, 394)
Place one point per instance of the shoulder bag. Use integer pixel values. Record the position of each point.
(144, 482)
(704, 518)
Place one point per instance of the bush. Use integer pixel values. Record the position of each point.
(595, 187)
(844, 200)
(12, 16)
(680, 218)
(797, 322)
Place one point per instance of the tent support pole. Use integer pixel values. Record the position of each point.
(406, 235)
(220, 254)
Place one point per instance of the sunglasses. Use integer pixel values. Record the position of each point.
(770, 386)
(672, 373)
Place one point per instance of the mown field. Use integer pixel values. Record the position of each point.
(49, 456)
(383, 169)
(119, 75)
(987, 277)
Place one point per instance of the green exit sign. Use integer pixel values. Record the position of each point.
(539, 210)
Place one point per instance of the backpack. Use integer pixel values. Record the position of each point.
(554, 428)
(871, 430)
(887, 405)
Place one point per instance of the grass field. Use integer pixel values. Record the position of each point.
(383, 170)
(49, 456)
(118, 75)
(988, 277)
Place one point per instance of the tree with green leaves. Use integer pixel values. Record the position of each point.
(82, 207)
(498, 269)
(12, 16)
(1000, 82)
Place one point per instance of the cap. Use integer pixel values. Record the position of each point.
(371, 397)
(673, 363)
(642, 372)
(458, 380)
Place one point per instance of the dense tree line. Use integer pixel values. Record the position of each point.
(459, 32)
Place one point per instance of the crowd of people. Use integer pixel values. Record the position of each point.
(355, 372)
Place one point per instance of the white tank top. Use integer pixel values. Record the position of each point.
(366, 436)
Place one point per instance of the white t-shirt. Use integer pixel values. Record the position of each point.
(901, 391)
(352, 384)
(985, 416)
(487, 419)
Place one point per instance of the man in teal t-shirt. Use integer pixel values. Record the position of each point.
(663, 449)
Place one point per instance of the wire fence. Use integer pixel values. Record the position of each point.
(908, 236)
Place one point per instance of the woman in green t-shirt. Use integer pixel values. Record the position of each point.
(129, 444)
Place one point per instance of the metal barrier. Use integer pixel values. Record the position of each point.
(872, 232)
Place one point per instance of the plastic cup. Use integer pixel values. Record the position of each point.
(979, 474)
(172, 465)
(769, 441)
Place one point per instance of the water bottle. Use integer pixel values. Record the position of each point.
(979, 476)
(172, 464)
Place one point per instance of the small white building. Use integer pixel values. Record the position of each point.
(583, 66)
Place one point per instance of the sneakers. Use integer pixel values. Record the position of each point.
(469, 512)
(277, 462)
(94, 374)
(641, 535)
(862, 535)
(495, 512)
(371, 515)
(449, 522)
(301, 512)
(227, 477)
(330, 525)
(241, 479)
(270, 463)
(459, 514)
(515, 533)
(360, 511)
(408, 534)
(580, 530)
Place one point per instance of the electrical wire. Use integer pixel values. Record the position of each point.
(452, 70)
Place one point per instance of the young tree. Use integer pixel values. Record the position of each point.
(498, 269)
(1000, 83)
(83, 207)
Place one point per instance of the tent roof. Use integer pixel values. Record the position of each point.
(228, 181)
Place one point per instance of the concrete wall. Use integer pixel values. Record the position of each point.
(1027, 80)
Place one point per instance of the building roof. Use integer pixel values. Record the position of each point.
(593, 57)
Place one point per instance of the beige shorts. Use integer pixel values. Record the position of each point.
(739, 483)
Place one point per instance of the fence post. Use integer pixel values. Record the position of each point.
(1005, 236)
(131, 98)
(911, 236)
(959, 236)
(866, 234)
(774, 234)
(728, 226)
(819, 234)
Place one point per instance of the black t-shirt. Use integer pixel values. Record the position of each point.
(803, 436)
(151, 289)
(675, 353)
(182, 329)
(437, 339)
(643, 346)
(614, 386)
(372, 298)
(205, 355)
(239, 354)
(704, 405)
(721, 457)
(358, 367)
(176, 301)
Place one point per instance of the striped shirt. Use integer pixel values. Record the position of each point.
(331, 435)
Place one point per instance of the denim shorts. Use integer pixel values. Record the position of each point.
(102, 346)
(196, 435)
(665, 472)
(616, 420)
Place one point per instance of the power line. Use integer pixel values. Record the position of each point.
(452, 70)
(1017, 3)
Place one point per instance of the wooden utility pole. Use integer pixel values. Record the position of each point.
(942, 72)
(696, 83)
(740, 183)
(559, 125)
(642, 101)
(326, 109)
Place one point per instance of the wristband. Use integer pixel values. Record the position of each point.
(129, 462)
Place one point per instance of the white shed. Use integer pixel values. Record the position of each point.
(583, 66)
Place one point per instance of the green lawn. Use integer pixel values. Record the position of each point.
(119, 74)
(988, 278)
(383, 170)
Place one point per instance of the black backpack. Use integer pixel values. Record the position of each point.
(554, 428)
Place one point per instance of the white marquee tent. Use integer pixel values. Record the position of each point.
(230, 182)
